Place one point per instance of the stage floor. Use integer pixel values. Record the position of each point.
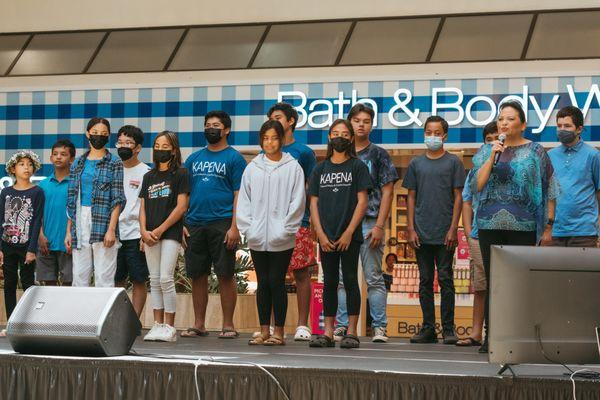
(228, 367)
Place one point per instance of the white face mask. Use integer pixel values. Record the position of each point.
(433, 143)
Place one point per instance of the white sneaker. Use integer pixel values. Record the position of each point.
(379, 335)
(154, 331)
(167, 334)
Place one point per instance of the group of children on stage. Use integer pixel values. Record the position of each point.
(115, 219)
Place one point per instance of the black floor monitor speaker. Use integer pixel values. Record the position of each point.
(73, 321)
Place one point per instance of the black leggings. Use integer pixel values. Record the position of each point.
(488, 238)
(271, 268)
(330, 262)
(15, 267)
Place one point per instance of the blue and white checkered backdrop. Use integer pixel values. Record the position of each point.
(36, 119)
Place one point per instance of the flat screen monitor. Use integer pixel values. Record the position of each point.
(544, 300)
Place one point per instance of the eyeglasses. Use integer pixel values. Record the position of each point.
(129, 145)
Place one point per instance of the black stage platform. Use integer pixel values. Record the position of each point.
(231, 369)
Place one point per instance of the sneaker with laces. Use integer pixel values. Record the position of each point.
(167, 334)
(449, 336)
(339, 333)
(379, 335)
(153, 332)
(425, 335)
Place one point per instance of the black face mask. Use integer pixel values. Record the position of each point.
(340, 144)
(98, 141)
(125, 153)
(212, 135)
(161, 156)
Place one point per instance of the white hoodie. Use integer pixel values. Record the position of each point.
(270, 203)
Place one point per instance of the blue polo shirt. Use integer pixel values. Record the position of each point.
(55, 211)
(577, 169)
(467, 195)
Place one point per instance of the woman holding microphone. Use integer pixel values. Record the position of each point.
(517, 191)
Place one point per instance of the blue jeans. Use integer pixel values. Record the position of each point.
(371, 260)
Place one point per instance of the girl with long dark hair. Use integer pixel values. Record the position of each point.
(164, 200)
(338, 189)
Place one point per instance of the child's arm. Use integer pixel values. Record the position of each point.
(413, 238)
(110, 237)
(324, 242)
(2, 206)
(174, 216)
(118, 201)
(452, 236)
(147, 238)
(68, 236)
(297, 206)
(243, 207)
(36, 223)
(344, 241)
(43, 242)
(36, 226)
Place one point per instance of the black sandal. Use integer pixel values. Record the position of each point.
(321, 341)
(468, 342)
(350, 342)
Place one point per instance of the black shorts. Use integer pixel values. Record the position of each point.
(206, 247)
(131, 262)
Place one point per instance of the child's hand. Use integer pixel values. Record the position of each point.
(326, 244)
(148, 238)
(1, 258)
(29, 257)
(413, 239)
(157, 234)
(43, 245)
(343, 242)
(68, 242)
(110, 238)
(186, 234)
(451, 240)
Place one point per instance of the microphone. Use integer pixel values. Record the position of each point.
(501, 138)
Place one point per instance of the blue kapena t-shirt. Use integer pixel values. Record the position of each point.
(214, 177)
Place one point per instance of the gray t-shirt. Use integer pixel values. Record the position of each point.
(434, 182)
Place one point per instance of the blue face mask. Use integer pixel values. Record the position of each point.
(433, 143)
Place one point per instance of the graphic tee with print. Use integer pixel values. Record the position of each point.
(215, 176)
(337, 187)
(159, 191)
(129, 219)
(22, 216)
(382, 171)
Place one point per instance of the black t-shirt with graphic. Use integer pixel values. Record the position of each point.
(337, 187)
(159, 191)
(21, 213)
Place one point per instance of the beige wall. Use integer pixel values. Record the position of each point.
(43, 15)
(306, 75)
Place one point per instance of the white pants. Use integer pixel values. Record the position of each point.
(162, 260)
(93, 258)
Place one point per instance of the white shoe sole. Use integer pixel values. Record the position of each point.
(379, 339)
(169, 339)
